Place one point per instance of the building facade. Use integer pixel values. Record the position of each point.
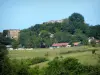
(12, 33)
(54, 21)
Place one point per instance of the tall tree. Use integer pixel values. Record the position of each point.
(15, 44)
(5, 68)
(94, 31)
(76, 21)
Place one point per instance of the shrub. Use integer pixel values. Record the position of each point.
(93, 51)
(93, 43)
(61, 56)
(92, 70)
(38, 60)
(34, 71)
(72, 66)
(67, 52)
(98, 58)
(3, 51)
(68, 66)
(47, 54)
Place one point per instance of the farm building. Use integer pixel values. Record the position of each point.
(76, 43)
(60, 44)
(97, 41)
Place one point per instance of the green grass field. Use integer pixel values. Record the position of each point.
(86, 57)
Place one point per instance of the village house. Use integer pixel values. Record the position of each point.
(92, 38)
(76, 43)
(57, 45)
(54, 21)
(97, 41)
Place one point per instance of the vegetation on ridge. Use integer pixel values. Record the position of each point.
(72, 29)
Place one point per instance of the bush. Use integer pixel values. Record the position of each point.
(93, 51)
(67, 66)
(3, 51)
(67, 52)
(34, 71)
(70, 66)
(47, 54)
(5, 67)
(93, 43)
(92, 70)
(23, 70)
(38, 60)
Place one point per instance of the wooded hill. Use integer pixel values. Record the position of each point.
(71, 29)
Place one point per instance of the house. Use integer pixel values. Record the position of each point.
(8, 46)
(54, 21)
(60, 45)
(97, 41)
(76, 43)
(68, 46)
(90, 39)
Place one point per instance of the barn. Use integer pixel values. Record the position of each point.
(60, 44)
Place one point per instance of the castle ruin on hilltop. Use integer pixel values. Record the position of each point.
(11, 33)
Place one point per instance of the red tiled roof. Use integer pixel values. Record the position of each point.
(97, 41)
(60, 44)
(76, 43)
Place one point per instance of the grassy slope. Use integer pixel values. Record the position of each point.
(84, 57)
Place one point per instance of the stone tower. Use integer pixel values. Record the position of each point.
(12, 33)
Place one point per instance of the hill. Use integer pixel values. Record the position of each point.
(71, 29)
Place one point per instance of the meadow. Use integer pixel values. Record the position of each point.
(83, 53)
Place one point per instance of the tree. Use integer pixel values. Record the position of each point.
(81, 37)
(76, 21)
(67, 66)
(3, 50)
(23, 69)
(15, 44)
(62, 37)
(94, 31)
(65, 25)
(76, 17)
(44, 34)
(5, 67)
(25, 37)
(93, 43)
(36, 41)
(35, 28)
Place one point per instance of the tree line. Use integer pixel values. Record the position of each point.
(72, 29)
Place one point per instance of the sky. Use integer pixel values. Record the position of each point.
(21, 14)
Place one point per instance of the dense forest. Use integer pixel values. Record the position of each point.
(71, 29)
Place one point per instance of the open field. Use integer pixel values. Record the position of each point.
(85, 57)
